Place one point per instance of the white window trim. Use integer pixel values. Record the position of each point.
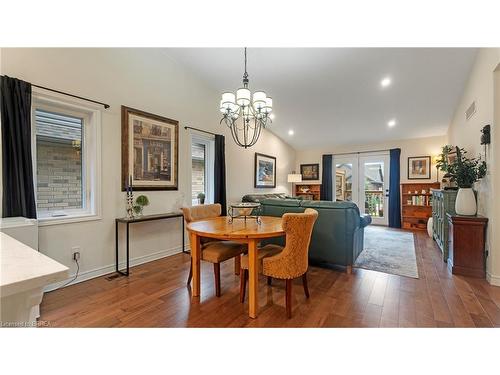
(209, 143)
(92, 149)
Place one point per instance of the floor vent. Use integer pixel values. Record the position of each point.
(470, 111)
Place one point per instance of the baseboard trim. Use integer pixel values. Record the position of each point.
(493, 279)
(101, 271)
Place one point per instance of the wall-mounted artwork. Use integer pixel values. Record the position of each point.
(265, 171)
(419, 168)
(309, 171)
(150, 150)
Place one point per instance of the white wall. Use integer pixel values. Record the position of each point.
(146, 79)
(409, 147)
(481, 89)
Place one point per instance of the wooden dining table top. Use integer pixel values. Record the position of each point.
(221, 227)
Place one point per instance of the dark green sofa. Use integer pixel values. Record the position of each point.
(337, 237)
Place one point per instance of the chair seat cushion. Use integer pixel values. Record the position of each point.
(264, 252)
(220, 251)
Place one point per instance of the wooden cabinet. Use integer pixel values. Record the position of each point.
(443, 203)
(309, 191)
(416, 205)
(466, 245)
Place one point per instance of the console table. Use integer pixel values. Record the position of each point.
(140, 219)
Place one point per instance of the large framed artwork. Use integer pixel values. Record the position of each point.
(419, 168)
(309, 171)
(150, 150)
(265, 171)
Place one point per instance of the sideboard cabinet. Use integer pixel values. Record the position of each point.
(467, 238)
(443, 202)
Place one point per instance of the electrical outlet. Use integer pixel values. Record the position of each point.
(75, 253)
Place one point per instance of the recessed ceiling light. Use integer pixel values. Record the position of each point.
(271, 116)
(385, 82)
(291, 132)
(391, 123)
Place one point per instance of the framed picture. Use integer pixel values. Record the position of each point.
(309, 171)
(419, 168)
(150, 150)
(265, 171)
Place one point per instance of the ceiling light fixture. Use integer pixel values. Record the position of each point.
(291, 132)
(246, 114)
(385, 82)
(391, 123)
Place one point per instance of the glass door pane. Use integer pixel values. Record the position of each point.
(346, 178)
(374, 183)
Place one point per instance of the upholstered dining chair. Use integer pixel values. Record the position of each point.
(286, 263)
(212, 250)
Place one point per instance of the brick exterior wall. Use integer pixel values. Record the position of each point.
(197, 170)
(59, 176)
(198, 176)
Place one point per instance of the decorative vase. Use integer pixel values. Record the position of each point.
(430, 227)
(465, 203)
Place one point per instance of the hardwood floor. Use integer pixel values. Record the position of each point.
(155, 295)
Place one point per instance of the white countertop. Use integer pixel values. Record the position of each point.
(23, 268)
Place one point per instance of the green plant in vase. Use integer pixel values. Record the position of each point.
(466, 171)
(141, 202)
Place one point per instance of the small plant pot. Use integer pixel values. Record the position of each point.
(465, 203)
(201, 200)
(138, 211)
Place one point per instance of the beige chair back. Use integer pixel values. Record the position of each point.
(292, 262)
(202, 211)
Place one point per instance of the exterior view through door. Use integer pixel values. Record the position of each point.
(364, 180)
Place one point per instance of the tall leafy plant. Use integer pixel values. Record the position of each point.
(466, 171)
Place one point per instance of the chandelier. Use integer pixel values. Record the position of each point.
(246, 114)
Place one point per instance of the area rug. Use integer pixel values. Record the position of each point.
(388, 250)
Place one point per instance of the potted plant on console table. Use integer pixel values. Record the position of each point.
(466, 172)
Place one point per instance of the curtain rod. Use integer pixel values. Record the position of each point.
(199, 130)
(360, 152)
(106, 106)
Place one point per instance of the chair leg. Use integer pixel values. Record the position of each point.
(269, 280)
(237, 264)
(217, 278)
(190, 272)
(243, 284)
(348, 269)
(304, 283)
(288, 298)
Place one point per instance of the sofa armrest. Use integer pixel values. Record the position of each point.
(365, 220)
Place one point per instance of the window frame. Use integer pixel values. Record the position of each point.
(209, 143)
(91, 154)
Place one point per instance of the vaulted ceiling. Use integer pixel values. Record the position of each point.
(334, 96)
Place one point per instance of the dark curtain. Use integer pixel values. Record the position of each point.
(17, 168)
(394, 191)
(327, 179)
(220, 173)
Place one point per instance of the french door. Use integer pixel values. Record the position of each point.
(364, 180)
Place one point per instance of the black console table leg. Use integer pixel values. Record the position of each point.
(116, 244)
(128, 247)
(183, 240)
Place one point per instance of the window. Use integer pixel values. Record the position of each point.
(202, 168)
(66, 149)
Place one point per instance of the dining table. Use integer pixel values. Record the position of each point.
(247, 231)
